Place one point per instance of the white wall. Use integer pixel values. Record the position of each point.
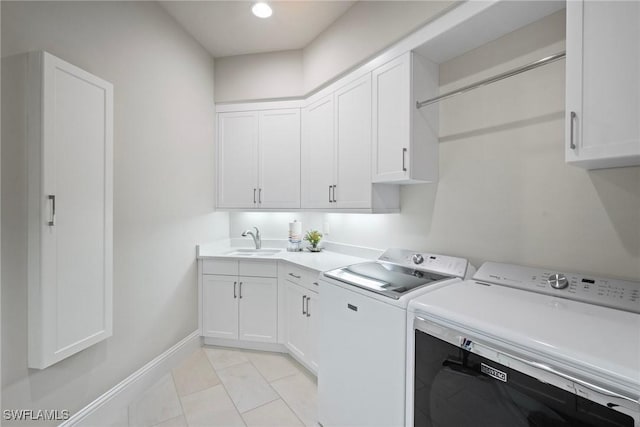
(504, 193)
(259, 76)
(163, 189)
(365, 29)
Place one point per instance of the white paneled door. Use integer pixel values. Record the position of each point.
(353, 142)
(70, 209)
(318, 154)
(220, 309)
(279, 168)
(238, 159)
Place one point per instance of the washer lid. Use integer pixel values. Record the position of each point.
(387, 279)
(594, 342)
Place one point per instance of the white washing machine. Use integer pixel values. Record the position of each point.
(520, 346)
(361, 378)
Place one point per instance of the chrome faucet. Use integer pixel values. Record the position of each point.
(256, 237)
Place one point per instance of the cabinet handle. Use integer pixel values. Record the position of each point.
(304, 297)
(308, 314)
(572, 145)
(316, 283)
(234, 290)
(293, 275)
(52, 220)
(254, 196)
(259, 195)
(334, 193)
(404, 152)
(330, 200)
(240, 289)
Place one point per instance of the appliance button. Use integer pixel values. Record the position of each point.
(558, 281)
(417, 259)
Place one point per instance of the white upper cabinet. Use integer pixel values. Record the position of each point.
(318, 154)
(279, 169)
(259, 159)
(603, 87)
(336, 153)
(70, 196)
(352, 188)
(238, 159)
(405, 139)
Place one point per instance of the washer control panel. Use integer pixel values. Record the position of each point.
(615, 293)
(423, 261)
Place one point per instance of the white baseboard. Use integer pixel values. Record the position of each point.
(249, 345)
(103, 410)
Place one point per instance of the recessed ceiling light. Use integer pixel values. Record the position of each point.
(261, 10)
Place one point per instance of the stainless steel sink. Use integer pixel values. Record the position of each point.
(253, 252)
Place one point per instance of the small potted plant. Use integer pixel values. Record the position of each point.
(313, 237)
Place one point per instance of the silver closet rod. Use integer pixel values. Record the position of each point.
(536, 64)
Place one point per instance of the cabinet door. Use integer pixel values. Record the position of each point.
(313, 318)
(220, 306)
(238, 160)
(279, 167)
(318, 155)
(353, 142)
(258, 298)
(70, 209)
(603, 88)
(296, 338)
(391, 120)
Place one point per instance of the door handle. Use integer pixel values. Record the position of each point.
(234, 289)
(254, 196)
(304, 297)
(240, 289)
(52, 219)
(572, 119)
(259, 195)
(334, 193)
(404, 166)
(308, 314)
(330, 200)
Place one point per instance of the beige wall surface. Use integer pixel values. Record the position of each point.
(259, 76)
(367, 28)
(163, 189)
(505, 192)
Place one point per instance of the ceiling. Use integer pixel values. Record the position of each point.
(227, 28)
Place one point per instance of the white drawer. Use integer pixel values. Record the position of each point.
(258, 268)
(293, 273)
(227, 267)
(299, 275)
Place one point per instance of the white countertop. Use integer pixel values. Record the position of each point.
(318, 261)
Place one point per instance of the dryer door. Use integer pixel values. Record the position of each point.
(455, 387)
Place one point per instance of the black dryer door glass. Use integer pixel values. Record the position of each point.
(453, 388)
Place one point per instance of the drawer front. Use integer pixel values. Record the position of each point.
(258, 268)
(227, 267)
(293, 273)
(313, 280)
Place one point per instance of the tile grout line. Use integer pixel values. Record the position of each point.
(184, 414)
(224, 387)
(280, 397)
(278, 393)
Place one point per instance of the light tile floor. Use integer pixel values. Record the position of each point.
(218, 387)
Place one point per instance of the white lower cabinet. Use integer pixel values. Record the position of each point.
(300, 314)
(240, 307)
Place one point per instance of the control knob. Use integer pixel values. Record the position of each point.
(558, 281)
(417, 259)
